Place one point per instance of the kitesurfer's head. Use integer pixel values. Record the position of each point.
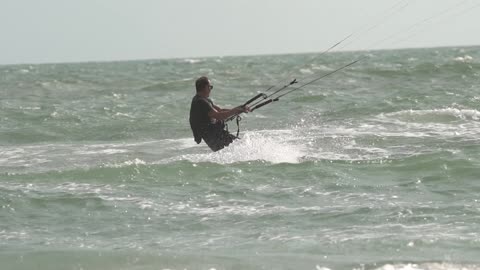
(203, 86)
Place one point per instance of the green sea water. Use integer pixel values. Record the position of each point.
(373, 167)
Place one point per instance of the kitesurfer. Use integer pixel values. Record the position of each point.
(207, 119)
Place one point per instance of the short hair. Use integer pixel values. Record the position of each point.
(201, 82)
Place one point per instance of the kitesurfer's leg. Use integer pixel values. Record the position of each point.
(218, 142)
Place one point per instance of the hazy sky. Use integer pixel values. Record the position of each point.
(45, 31)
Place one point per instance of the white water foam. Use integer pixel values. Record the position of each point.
(428, 266)
(346, 141)
(192, 61)
(463, 114)
(438, 123)
(464, 59)
(255, 146)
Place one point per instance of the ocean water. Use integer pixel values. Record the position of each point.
(374, 167)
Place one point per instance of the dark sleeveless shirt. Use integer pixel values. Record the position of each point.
(203, 127)
(199, 119)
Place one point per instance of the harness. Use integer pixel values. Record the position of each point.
(238, 118)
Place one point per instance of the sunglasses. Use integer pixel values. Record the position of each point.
(211, 87)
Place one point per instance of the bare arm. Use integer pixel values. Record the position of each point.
(220, 109)
(222, 114)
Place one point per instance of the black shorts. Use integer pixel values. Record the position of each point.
(218, 138)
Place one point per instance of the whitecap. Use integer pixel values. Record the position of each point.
(102, 151)
(192, 61)
(464, 114)
(255, 146)
(306, 71)
(124, 115)
(127, 163)
(428, 266)
(321, 67)
(464, 59)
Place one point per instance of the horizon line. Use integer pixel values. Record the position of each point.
(233, 55)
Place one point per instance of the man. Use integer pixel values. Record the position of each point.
(207, 119)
